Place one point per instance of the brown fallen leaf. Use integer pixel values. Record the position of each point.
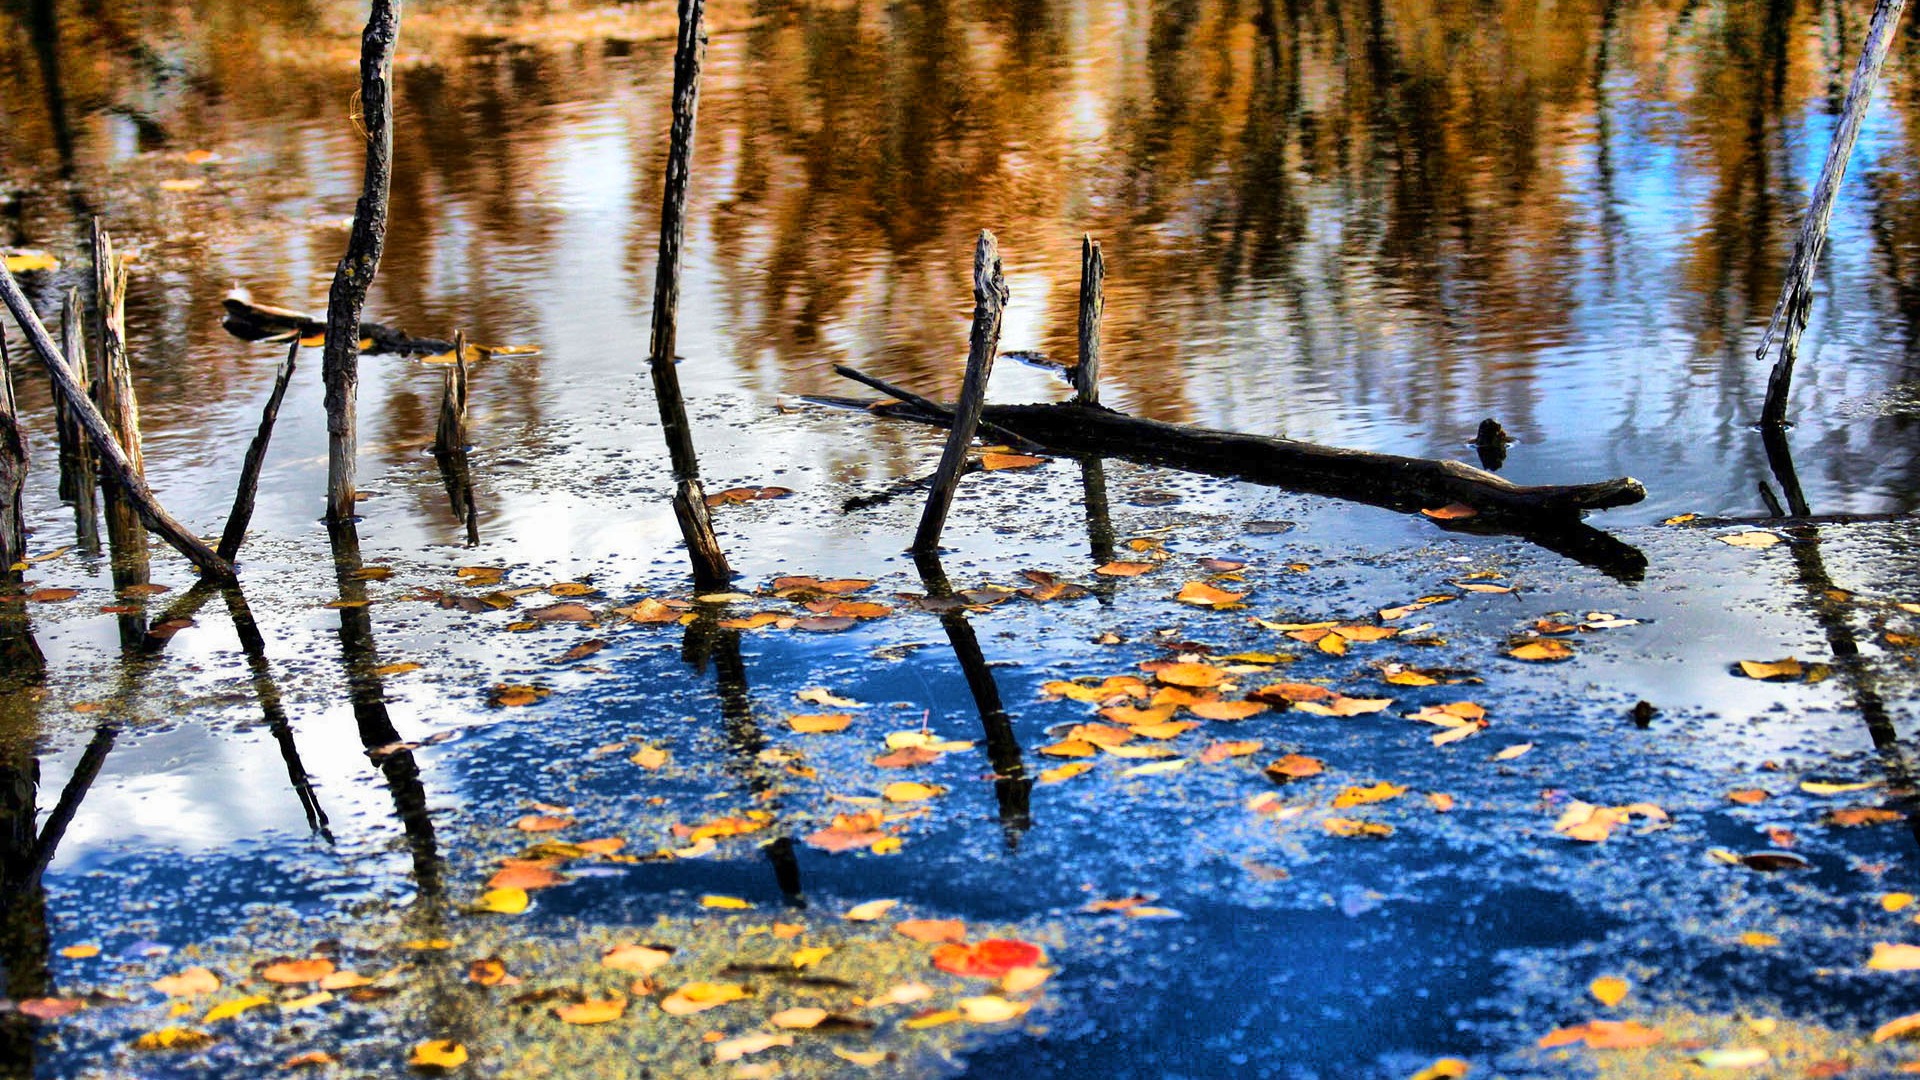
(1295, 767)
(1221, 751)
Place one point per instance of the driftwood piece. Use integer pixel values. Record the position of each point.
(250, 321)
(1093, 303)
(989, 304)
(710, 567)
(68, 389)
(13, 473)
(79, 482)
(340, 358)
(1796, 294)
(1390, 480)
(235, 533)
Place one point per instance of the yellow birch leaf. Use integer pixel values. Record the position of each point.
(991, 1009)
(870, 911)
(230, 1009)
(1609, 990)
(438, 1054)
(1060, 773)
(714, 900)
(507, 901)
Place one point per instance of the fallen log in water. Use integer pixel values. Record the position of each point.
(1389, 480)
(249, 321)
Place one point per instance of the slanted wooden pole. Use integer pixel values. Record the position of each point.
(67, 390)
(989, 304)
(1796, 294)
(340, 358)
(710, 567)
(450, 437)
(235, 533)
(113, 393)
(1093, 303)
(79, 483)
(13, 474)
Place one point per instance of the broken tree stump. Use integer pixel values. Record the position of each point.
(710, 569)
(450, 435)
(13, 474)
(989, 305)
(1093, 304)
(340, 358)
(79, 484)
(235, 533)
(113, 393)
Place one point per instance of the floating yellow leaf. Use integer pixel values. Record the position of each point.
(1444, 1069)
(1069, 748)
(173, 1038)
(438, 1054)
(1064, 772)
(1353, 827)
(820, 724)
(901, 791)
(1904, 1027)
(1750, 539)
(1340, 705)
(504, 901)
(1609, 990)
(734, 1049)
(733, 903)
(1022, 979)
(1789, 668)
(1201, 594)
(1156, 768)
(1190, 675)
(230, 1009)
(309, 1001)
(995, 462)
(1361, 796)
(189, 983)
(80, 952)
(810, 955)
(1888, 957)
(931, 1019)
(1542, 650)
(641, 959)
(866, 1058)
(798, 1019)
(991, 1009)
(1514, 751)
(701, 996)
(649, 758)
(593, 1010)
(1822, 787)
(1755, 939)
(869, 911)
(1896, 901)
(26, 261)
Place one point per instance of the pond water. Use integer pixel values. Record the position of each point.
(1370, 224)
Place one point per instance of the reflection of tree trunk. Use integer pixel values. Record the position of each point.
(362, 659)
(44, 24)
(706, 640)
(25, 943)
(456, 473)
(254, 644)
(1012, 787)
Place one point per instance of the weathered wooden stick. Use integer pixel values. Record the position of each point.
(13, 473)
(79, 482)
(989, 302)
(235, 533)
(911, 398)
(1796, 294)
(113, 393)
(1093, 274)
(68, 389)
(1389, 480)
(450, 437)
(710, 567)
(1093, 481)
(340, 358)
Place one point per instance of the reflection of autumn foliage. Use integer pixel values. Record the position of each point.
(1408, 201)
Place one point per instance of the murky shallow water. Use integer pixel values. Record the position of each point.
(1371, 229)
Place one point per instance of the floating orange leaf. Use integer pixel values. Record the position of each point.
(989, 959)
(1201, 594)
(1221, 751)
(438, 1054)
(1781, 670)
(1604, 1035)
(192, 982)
(1190, 675)
(996, 462)
(698, 997)
(1373, 793)
(1291, 693)
(1452, 512)
(1295, 767)
(1542, 650)
(1355, 828)
(543, 823)
(1124, 569)
(933, 931)
(1340, 705)
(820, 723)
(1855, 816)
(312, 969)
